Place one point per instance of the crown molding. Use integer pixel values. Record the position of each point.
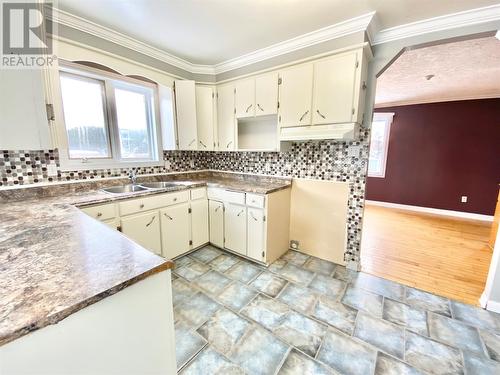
(67, 19)
(446, 22)
(440, 99)
(324, 34)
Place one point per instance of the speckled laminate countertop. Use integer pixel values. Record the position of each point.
(55, 260)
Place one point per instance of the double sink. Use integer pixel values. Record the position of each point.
(142, 187)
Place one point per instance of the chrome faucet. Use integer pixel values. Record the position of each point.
(132, 176)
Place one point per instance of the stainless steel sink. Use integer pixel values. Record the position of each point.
(124, 189)
(160, 184)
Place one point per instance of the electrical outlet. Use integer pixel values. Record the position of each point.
(191, 163)
(294, 244)
(167, 164)
(51, 170)
(353, 151)
(268, 167)
(464, 198)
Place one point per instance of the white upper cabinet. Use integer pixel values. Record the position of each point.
(295, 95)
(245, 98)
(266, 94)
(334, 89)
(205, 117)
(225, 117)
(185, 107)
(23, 120)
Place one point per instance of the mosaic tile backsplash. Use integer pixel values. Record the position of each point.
(326, 160)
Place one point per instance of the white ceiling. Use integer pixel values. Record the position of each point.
(462, 70)
(213, 31)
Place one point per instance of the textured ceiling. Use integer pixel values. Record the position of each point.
(462, 70)
(213, 31)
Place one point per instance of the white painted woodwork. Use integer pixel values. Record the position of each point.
(216, 222)
(256, 236)
(318, 217)
(226, 195)
(199, 222)
(245, 98)
(143, 228)
(225, 117)
(258, 133)
(23, 120)
(235, 228)
(199, 193)
(112, 223)
(167, 118)
(185, 107)
(255, 200)
(334, 89)
(175, 230)
(266, 94)
(295, 95)
(101, 212)
(131, 206)
(130, 332)
(205, 117)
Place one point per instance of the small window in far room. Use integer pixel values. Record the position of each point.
(379, 144)
(110, 120)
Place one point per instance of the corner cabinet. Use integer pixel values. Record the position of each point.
(252, 225)
(225, 117)
(205, 117)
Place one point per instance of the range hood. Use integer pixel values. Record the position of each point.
(346, 132)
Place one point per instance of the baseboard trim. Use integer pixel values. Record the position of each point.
(493, 306)
(483, 300)
(435, 211)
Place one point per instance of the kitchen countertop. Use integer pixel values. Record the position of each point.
(55, 260)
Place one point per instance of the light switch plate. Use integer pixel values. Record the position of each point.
(167, 164)
(51, 170)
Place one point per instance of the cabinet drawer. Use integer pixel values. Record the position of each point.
(153, 202)
(101, 212)
(199, 193)
(255, 200)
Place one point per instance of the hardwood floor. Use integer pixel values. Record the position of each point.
(445, 256)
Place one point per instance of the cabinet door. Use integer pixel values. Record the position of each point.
(112, 223)
(185, 107)
(23, 120)
(256, 242)
(235, 228)
(205, 117)
(143, 228)
(175, 230)
(295, 95)
(334, 82)
(199, 222)
(225, 117)
(245, 98)
(216, 222)
(266, 94)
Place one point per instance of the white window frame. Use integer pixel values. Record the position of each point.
(111, 80)
(387, 118)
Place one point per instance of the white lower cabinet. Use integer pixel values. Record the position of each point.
(143, 228)
(216, 222)
(235, 228)
(199, 222)
(175, 230)
(256, 236)
(113, 223)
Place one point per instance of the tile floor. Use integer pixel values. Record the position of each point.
(303, 315)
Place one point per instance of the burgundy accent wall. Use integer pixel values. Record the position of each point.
(439, 152)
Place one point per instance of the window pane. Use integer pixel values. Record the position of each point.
(377, 148)
(84, 116)
(133, 125)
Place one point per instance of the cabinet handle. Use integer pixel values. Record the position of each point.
(169, 217)
(262, 109)
(304, 115)
(239, 213)
(248, 108)
(175, 199)
(227, 146)
(151, 222)
(253, 217)
(142, 205)
(99, 214)
(203, 144)
(217, 209)
(319, 113)
(190, 143)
